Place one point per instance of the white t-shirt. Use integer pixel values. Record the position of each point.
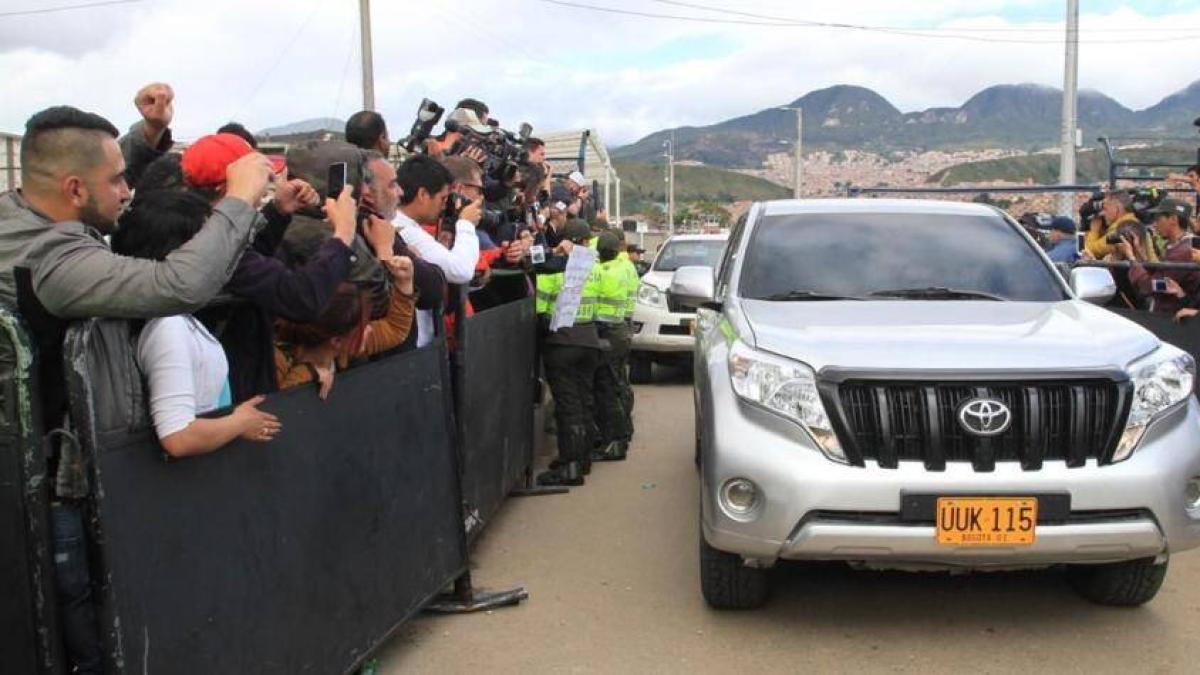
(186, 369)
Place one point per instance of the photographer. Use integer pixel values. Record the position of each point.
(1117, 211)
(426, 184)
(1166, 290)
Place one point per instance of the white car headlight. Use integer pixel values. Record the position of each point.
(787, 388)
(1161, 381)
(649, 295)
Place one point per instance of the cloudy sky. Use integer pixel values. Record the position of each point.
(563, 64)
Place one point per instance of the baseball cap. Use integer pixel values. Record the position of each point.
(577, 178)
(1060, 223)
(1173, 207)
(608, 243)
(205, 161)
(467, 118)
(577, 231)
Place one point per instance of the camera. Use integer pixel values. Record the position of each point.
(1145, 199)
(1125, 232)
(504, 152)
(1035, 224)
(428, 115)
(1093, 208)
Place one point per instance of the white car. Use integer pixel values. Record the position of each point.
(663, 332)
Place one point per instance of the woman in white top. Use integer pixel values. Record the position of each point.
(184, 365)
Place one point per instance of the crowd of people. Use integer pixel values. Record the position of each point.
(339, 252)
(1135, 229)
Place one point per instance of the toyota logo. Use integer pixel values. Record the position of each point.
(984, 417)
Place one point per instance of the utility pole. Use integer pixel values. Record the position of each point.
(798, 160)
(1070, 115)
(670, 155)
(368, 68)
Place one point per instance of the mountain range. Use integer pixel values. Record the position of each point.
(1024, 116)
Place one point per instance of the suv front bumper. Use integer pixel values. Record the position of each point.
(812, 508)
(657, 329)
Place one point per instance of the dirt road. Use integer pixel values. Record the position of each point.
(612, 573)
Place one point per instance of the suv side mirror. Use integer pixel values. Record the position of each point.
(692, 286)
(1094, 284)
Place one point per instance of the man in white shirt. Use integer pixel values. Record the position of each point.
(425, 186)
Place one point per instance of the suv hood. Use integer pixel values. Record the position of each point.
(950, 335)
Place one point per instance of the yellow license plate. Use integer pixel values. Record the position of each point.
(987, 521)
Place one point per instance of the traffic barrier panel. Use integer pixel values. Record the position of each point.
(299, 555)
(29, 639)
(496, 377)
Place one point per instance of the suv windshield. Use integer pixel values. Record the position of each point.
(678, 254)
(894, 256)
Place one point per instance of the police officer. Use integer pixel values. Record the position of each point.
(571, 356)
(612, 416)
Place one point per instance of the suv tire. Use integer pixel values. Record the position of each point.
(1123, 584)
(727, 583)
(641, 369)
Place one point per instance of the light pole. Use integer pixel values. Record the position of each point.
(1070, 116)
(797, 168)
(368, 68)
(670, 155)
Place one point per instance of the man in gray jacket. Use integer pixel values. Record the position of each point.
(55, 265)
(73, 189)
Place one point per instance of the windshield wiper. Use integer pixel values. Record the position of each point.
(800, 296)
(938, 293)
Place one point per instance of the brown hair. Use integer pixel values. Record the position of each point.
(346, 315)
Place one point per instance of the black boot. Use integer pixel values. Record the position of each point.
(565, 474)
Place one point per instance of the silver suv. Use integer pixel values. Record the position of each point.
(913, 385)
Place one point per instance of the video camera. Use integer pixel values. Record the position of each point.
(428, 115)
(1035, 224)
(1143, 200)
(504, 152)
(1093, 208)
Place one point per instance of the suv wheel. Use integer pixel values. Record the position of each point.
(641, 369)
(1123, 584)
(729, 584)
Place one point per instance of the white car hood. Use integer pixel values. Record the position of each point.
(949, 335)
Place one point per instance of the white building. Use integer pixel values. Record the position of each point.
(582, 149)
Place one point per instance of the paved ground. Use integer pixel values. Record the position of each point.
(612, 574)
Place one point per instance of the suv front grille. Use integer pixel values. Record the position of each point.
(894, 421)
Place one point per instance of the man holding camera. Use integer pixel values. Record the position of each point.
(1117, 210)
(1167, 290)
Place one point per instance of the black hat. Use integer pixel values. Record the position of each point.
(608, 243)
(577, 231)
(1175, 207)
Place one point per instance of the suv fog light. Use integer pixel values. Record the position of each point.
(740, 497)
(1191, 493)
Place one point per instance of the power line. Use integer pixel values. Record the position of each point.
(65, 8)
(775, 22)
(965, 29)
(279, 56)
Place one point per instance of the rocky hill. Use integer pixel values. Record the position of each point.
(1023, 116)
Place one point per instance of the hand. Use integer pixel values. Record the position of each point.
(255, 424)
(472, 212)
(475, 153)
(1186, 313)
(247, 178)
(156, 103)
(482, 277)
(564, 247)
(1173, 288)
(513, 252)
(574, 207)
(294, 194)
(1125, 249)
(342, 214)
(401, 269)
(1085, 254)
(381, 235)
(324, 378)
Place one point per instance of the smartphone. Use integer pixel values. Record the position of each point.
(1158, 285)
(1080, 241)
(336, 180)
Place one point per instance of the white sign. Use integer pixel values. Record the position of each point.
(579, 267)
(643, 228)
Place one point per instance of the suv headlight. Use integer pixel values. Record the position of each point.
(1161, 381)
(786, 388)
(649, 295)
